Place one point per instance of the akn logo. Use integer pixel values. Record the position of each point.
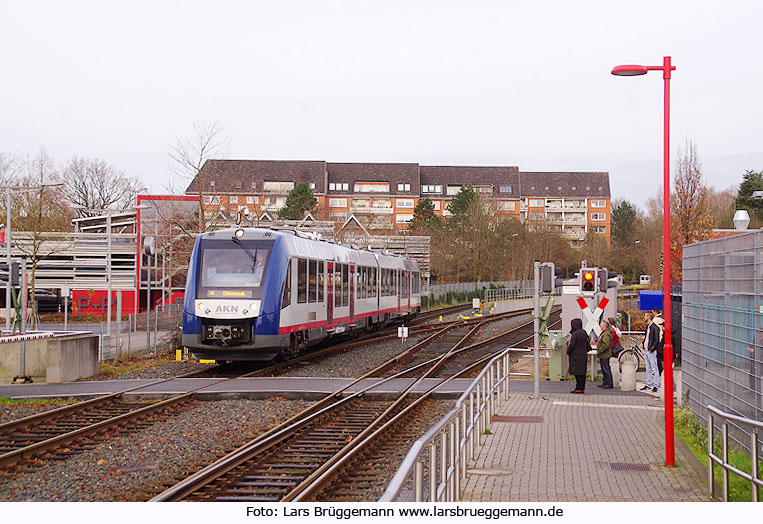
(226, 309)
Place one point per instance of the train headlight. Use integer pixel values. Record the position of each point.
(201, 305)
(253, 306)
(239, 233)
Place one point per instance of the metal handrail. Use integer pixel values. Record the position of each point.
(452, 439)
(754, 477)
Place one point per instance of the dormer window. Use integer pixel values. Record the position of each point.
(239, 185)
(211, 183)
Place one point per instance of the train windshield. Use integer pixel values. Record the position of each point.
(230, 270)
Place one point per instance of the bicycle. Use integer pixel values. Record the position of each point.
(629, 354)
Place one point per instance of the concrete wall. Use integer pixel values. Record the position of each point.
(60, 358)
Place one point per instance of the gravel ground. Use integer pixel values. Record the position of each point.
(162, 370)
(354, 363)
(136, 466)
(25, 408)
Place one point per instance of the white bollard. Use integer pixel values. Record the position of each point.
(628, 375)
(614, 365)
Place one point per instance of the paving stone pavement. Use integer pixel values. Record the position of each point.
(567, 457)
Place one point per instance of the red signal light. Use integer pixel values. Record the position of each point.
(588, 275)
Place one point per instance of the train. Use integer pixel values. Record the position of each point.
(260, 294)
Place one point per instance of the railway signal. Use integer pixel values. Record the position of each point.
(588, 281)
(603, 278)
(548, 280)
(13, 274)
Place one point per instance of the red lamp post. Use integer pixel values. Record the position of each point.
(666, 68)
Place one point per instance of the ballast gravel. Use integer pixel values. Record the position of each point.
(137, 465)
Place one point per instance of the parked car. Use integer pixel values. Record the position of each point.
(47, 301)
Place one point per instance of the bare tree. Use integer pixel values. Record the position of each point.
(95, 184)
(690, 213)
(9, 169)
(41, 212)
(189, 155)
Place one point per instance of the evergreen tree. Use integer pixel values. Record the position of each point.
(299, 201)
(460, 204)
(751, 181)
(424, 217)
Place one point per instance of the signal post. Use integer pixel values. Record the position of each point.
(592, 288)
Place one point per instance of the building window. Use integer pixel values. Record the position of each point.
(252, 200)
(211, 183)
(431, 189)
(436, 204)
(254, 184)
(483, 190)
(504, 189)
(404, 187)
(404, 202)
(337, 202)
(507, 206)
(600, 229)
(372, 187)
(239, 185)
(403, 219)
(535, 202)
(598, 203)
(598, 217)
(453, 190)
(234, 199)
(332, 186)
(275, 185)
(212, 200)
(312, 185)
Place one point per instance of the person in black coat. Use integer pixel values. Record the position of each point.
(577, 351)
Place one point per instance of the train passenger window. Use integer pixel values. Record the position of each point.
(338, 284)
(345, 284)
(286, 298)
(321, 281)
(373, 282)
(301, 280)
(365, 282)
(313, 281)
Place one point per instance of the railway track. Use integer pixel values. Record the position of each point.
(50, 435)
(297, 460)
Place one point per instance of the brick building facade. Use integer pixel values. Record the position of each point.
(382, 196)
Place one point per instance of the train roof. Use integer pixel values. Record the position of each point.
(307, 245)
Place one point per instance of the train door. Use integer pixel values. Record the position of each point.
(397, 288)
(408, 285)
(352, 295)
(330, 296)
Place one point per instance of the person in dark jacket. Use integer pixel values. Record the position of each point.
(577, 351)
(604, 353)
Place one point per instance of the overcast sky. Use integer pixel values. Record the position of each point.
(523, 83)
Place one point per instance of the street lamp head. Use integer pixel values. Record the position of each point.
(629, 70)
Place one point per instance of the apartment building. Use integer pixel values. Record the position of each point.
(382, 196)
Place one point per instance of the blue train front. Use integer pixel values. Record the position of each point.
(255, 294)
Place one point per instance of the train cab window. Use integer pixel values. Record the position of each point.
(301, 280)
(337, 285)
(312, 295)
(286, 298)
(345, 284)
(321, 281)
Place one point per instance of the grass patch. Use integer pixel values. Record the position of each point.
(114, 368)
(10, 402)
(694, 435)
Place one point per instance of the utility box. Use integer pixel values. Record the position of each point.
(649, 299)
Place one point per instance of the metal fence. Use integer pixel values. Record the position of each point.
(461, 287)
(135, 335)
(722, 328)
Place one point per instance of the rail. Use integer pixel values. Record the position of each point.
(754, 477)
(454, 438)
